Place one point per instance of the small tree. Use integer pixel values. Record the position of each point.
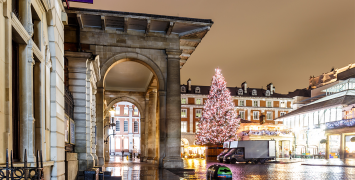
(323, 141)
(219, 121)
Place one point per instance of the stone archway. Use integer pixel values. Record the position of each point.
(136, 57)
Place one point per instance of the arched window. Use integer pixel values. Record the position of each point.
(240, 92)
(197, 90)
(183, 89)
(254, 92)
(267, 93)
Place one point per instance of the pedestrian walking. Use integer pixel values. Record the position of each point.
(290, 154)
(122, 153)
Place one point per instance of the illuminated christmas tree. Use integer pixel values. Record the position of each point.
(219, 122)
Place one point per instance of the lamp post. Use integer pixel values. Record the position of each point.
(111, 125)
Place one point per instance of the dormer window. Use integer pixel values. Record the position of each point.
(197, 90)
(240, 92)
(183, 89)
(253, 92)
(267, 93)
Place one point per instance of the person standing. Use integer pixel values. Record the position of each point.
(290, 153)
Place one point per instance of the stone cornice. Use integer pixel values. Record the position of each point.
(173, 54)
(16, 24)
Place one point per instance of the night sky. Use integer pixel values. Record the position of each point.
(260, 41)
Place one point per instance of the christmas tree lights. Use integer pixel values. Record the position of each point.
(219, 122)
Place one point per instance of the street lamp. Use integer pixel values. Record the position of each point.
(111, 125)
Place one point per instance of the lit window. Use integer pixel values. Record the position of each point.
(197, 90)
(125, 111)
(183, 113)
(183, 100)
(240, 92)
(269, 115)
(198, 101)
(183, 89)
(125, 126)
(256, 115)
(269, 104)
(118, 110)
(282, 104)
(267, 93)
(198, 113)
(255, 103)
(196, 124)
(241, 114)
(118, 126)
(135, 126)
(282, 113)
(241, 103)
(135, 111)
(126, 143)
(254, 92)
(118, 140)
(183, 126)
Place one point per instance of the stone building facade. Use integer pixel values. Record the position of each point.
(54, 63)
(250, 104)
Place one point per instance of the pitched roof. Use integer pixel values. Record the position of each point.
(204, 90)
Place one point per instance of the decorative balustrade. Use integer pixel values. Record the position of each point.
(267, 132)
(25, 172)
(340, 124)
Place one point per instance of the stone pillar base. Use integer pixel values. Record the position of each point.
(173, 162)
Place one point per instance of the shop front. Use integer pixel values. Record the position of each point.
(194, 151)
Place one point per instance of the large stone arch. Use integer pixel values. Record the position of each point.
(127, 99)
(136, 57)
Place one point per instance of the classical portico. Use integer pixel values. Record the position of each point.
(139, 57)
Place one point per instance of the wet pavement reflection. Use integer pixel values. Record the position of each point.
(196, 169)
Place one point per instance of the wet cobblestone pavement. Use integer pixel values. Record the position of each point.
(196, 169)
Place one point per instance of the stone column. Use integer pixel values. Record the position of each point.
(173, 108)
(327, 147)
(152, 126)
(342, 146)
(26, 15)
(93, 126)
(146, 111)
(80, 86)
(142, 137)
(249, 115)
(191, 130)
(107, 144)
(100, 147)
(26, 63)
(162, 123)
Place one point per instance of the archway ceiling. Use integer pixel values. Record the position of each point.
(128, 76)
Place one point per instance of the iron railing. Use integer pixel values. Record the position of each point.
(25, 172)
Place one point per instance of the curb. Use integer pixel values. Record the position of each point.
(328, 165)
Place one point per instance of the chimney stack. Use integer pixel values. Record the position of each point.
(244, 86)
(189, 85)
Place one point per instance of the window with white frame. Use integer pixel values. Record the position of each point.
(269, 104)
(198, 101)
(254, 93)
(256, 115)
(196, 127)
(241, 102)
(118, 140)
(183, 113)
(135, 126)
(125, 111)
(183, 126)
(268, 115)
(118, 126)
(282, 104)
(242, 114)
(255, 103)
(183, 89)
(135, 111)
(282, 113)
(198, 113)
(267, 93)
(183, 100)
(240, 92)
(118, 111)
(126, 143)
(125, 126)
(197, 90)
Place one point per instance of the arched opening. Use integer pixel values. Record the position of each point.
(131, 87)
